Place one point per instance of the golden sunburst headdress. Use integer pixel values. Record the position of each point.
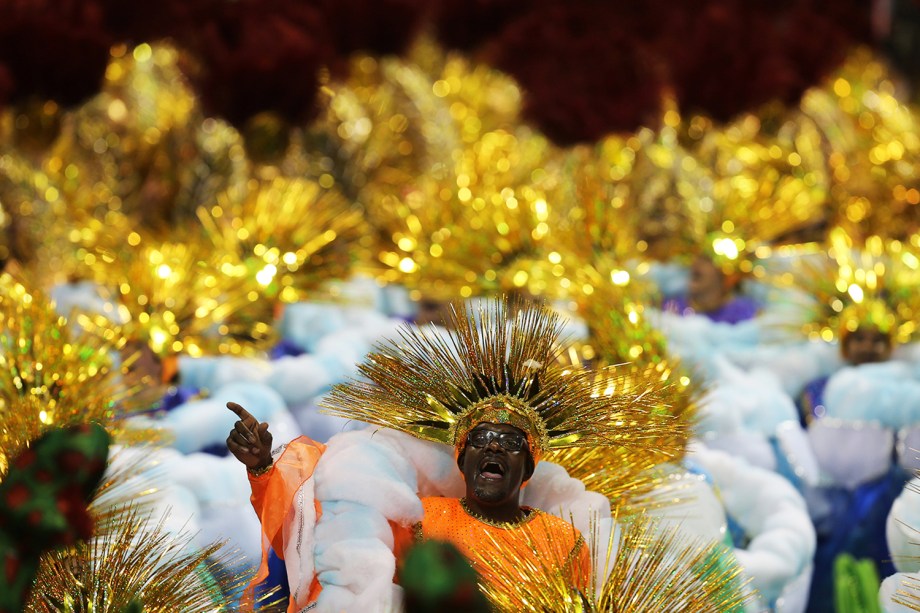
(498, 366)
(877, 284)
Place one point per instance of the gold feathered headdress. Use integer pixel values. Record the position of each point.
(498, 366)
(877, 285)
(872, 148)
(760, 187)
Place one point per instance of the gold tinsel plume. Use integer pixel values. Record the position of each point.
(621, 335)
(875, 283)
(281, 237)
(597, 198)
(451, 182)
(873, 149)
(630, 196)
(169, 158)
(55, 372)
(594, 233)
(137, 561)
(137, 157)
(641, 569)
(172, 296)
(213, 287)
(455, 229)
(392, 119)
(761, 187)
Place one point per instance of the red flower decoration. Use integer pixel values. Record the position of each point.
(16, 496)
(70, 462)
(253, 56)
(71, 504)
(25, 460)
(585, 70)
(11, 565)
(53, 49)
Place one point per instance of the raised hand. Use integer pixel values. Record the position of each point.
(250, 442)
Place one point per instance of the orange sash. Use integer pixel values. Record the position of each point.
(272, 498)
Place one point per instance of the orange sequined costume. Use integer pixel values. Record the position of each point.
(549, 540)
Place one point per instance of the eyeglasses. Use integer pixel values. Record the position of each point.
(509, 441)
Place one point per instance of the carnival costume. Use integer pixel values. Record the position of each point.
(869, 286)
(499, 366)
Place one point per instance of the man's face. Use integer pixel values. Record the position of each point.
(709, 288)
(867, 344)
(494, 472)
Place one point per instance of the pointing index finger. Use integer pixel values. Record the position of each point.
(242, 413)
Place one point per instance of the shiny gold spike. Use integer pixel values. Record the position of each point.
(664, 570)
(909, 594)
(138, 560)
(642, 569)
(633, 481)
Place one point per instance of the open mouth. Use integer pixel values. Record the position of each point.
(492, 469)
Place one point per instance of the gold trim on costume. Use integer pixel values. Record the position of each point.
(531, 514)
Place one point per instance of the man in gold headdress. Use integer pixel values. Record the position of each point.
(496, 462)
(493, 392)
(865, 295)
